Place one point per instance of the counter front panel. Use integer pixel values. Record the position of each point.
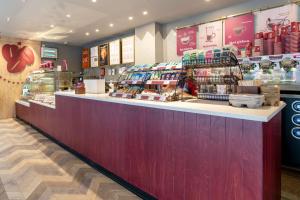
(169, 154)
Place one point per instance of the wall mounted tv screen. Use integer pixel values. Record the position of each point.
(49, 53)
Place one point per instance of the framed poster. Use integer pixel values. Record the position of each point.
(128, 50)
(186, 39)
(85, 58)
(114, 52)
(211, 35)
(104, 54)
(239, 30)
(94, 57)
(280, 16)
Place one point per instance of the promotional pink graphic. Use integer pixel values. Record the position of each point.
(17, 57)
(239, 31)
(186, 39)
(211, 35)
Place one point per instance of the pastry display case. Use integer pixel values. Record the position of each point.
(40, 82)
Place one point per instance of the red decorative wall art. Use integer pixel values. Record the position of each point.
(17, 57)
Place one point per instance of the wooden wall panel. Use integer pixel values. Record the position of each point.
(170, 155)
(10, 91)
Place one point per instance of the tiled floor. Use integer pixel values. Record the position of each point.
(34, 168)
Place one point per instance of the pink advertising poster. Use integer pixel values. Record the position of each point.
(186, 39)
(239, 30)
(211, 35)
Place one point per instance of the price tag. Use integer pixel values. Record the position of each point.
(167, 82)
(149, 82)
(114, 94)
(151, 98)
(124, 96)
(134, 82)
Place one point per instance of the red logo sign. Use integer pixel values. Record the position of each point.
(17, 58)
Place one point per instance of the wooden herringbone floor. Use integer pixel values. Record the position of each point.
(34, 168)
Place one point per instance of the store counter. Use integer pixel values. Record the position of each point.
(171, 150)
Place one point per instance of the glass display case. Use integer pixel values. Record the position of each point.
(42, 84)
(39, 83)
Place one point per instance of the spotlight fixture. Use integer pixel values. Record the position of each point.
(145, 12)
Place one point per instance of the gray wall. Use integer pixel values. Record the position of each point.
(71, 53)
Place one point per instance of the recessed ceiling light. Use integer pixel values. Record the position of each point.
(145, 13)
(94, 1)
(111, 25)
(68, 15)
(8, 19)
(70, 31)
(130, 18)
(66, 42)
(97, 30)
(52, 26)
(207, 0)
(87, 33)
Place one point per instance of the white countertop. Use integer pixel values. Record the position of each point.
(263, 114)
(27, 103)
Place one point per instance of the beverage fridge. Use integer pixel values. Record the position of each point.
(291, 130)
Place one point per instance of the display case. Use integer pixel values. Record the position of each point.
(42, 84)
(39, 83)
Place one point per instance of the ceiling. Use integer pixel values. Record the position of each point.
(32, 19)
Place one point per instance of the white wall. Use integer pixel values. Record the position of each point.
(169, 30)
(145, 44)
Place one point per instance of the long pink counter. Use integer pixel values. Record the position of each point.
(167, 153)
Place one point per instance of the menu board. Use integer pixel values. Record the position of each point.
(128, 50)
(114, 52)
(94, 57)
(103, 54)
(85, 58)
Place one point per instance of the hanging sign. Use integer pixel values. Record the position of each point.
(186, 39)
(128, 50)
(85, 58)
(239, 30)
(211, 35)
(281, 16)
(114, 52)
(94, 57)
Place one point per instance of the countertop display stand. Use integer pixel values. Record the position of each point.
(152, 78)
(226, 72)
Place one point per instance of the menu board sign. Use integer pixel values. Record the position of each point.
(211, 35)
(85, 58)
(114, 53)
(128, 50)
(239, 30)
(104, 54)
(94, 57)
(186, 39)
